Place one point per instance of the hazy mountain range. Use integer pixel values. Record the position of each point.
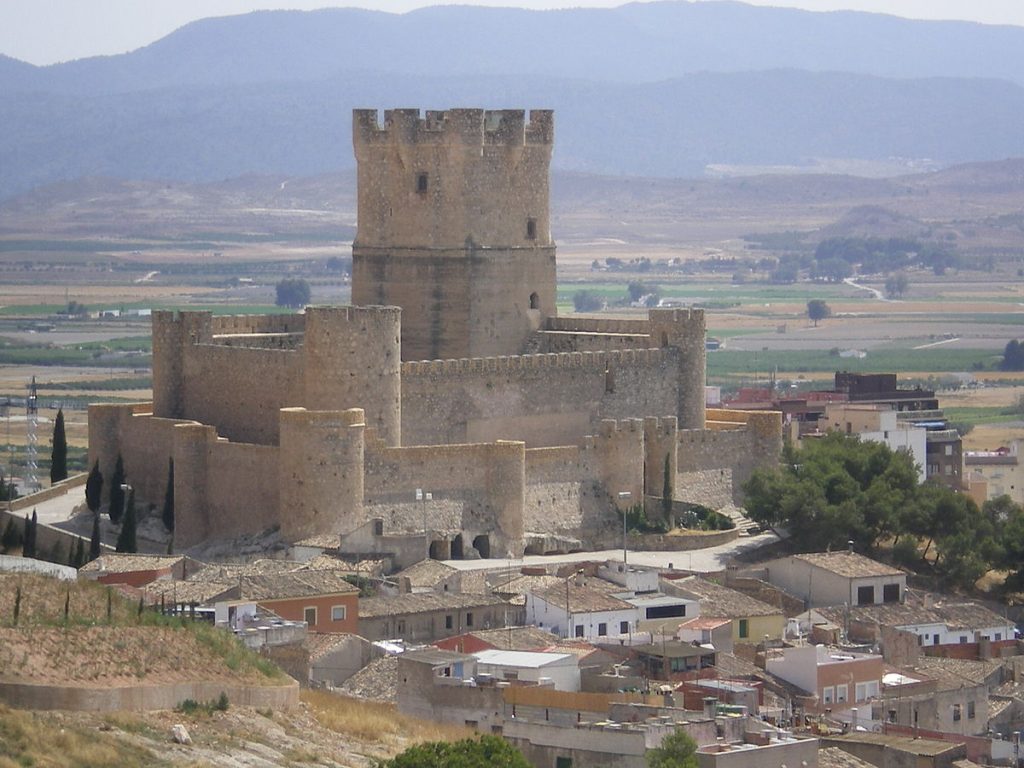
(658, 89)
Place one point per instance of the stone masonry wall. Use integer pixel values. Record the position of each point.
(543, 400)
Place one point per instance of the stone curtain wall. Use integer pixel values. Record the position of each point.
(543, 400)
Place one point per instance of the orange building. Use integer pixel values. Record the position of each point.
(325, 600)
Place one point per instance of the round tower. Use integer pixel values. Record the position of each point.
(321, 465)
(454, 227)
(352, 359)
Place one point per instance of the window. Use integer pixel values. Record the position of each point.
(891, 593)
(602, 629)
(842, 693)
(623, 627)
(421, 182)
(949, 450)
(935, 639)
(666, 611)
(744, 628)
(563, 762)
(338, 612)
(534, 301)
(469, 619)
(999, 636)
(963, 639)
(579, 630)
(865, 691)
(970, 710)
(828, 694)
(309, 615)
(448, 623)
(956, 713)
(865, 595)
(531, 229)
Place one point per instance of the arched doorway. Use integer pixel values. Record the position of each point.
(457, 547)
(482, 544)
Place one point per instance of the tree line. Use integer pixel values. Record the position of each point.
(837, 489)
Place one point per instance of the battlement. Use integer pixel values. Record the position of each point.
(598, 325)
(676, 315)
(502, 127)
(661, 426)
(235, 325)
(583, 360)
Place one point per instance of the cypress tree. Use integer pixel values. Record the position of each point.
(666, 489)
(59, 456)
(94, 542)
(94, 489)
(116, 509)
(168, 511)
(126, 539)
(28, 548)
(13, 536)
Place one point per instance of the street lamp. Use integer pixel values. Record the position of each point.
(423, 498)
(624, 497)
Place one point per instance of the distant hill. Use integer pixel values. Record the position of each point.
(638, 42)
(650, 89)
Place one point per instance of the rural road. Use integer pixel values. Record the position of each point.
(873, 291)
(707, 560)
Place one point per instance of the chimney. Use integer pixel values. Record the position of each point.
(710, 707)
(849, 546)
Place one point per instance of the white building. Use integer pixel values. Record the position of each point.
(878, 424)
(837, 578)
(560, 670)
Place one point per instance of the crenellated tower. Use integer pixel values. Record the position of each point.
(454, 227)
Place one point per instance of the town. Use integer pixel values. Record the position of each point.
(546, 529)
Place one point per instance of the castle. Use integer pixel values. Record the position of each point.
(451, 374)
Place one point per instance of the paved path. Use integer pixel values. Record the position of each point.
(700, 560)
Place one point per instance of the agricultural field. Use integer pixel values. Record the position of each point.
(121, 249)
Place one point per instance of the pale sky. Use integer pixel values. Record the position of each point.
(47, 31)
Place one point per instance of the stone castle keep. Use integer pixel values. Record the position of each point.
(451, 374)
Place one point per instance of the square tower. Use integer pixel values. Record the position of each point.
(454, 227)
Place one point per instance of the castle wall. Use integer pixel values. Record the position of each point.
(240, 391)
(542, 400)
(476, 489)
(586, 334)
(714, 463)
(571, 491)
(145, 444)
(245, 495)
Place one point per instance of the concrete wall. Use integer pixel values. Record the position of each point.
(145, 697)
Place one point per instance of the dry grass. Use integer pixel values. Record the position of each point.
(43, 739)
(375, 722)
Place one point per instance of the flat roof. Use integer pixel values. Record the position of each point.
(523, 659)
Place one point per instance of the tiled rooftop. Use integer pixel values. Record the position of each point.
(956, 614)
(294, 584)
(581, 598)
(848, 564)
(426, 573)
(127, 563)
(717, 601)
(421, 602)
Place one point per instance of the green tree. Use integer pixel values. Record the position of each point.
(666, 490)
(126, 538)
(677, 750)
(833, 490)
(13, 536)
(8, 490)
(293, 292)
(1013, 356)
(59, 453)
(896, 285)
(587, 301)
(28, 547)
(817, 310)
(483, 752)
(94, 489)
(94, 540)
(168, 511)
(116, 508)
